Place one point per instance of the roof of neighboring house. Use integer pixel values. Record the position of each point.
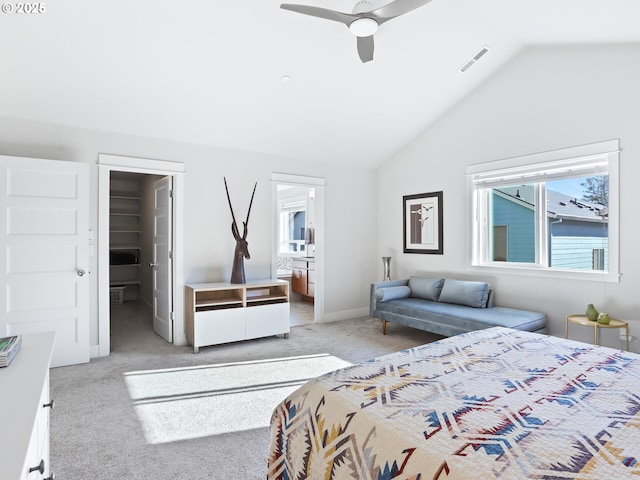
(559, 205)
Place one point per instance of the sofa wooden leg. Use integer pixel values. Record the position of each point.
(384, 327)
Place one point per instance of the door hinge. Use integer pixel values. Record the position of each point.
(172, 316)
(170, 255)
(170, 193)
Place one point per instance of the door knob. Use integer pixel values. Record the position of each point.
(81, 273)
(38, 468)
(151, 264)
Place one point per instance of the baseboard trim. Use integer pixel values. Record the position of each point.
(94, 351)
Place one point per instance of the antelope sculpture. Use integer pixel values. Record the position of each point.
(242, 246)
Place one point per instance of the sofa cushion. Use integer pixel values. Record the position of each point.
(450, 319)
(426, 288)
(392, 293)
(464, 292)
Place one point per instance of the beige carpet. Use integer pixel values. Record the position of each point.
(155, 411)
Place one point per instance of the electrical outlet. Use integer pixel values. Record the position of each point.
(634, 345)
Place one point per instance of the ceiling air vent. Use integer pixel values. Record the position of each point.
(475, 58)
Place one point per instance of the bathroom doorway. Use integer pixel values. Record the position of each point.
(298, 250)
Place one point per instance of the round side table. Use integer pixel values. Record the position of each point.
(583, 320)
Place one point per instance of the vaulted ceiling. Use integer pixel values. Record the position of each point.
(211, 72)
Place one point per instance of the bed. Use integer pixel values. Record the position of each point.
(495, 403)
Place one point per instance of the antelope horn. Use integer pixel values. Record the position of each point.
(234, 231)
(249, 212)
(234, 226)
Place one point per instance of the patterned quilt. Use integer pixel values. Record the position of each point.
(495, 403)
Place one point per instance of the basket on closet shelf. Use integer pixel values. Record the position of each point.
(116, 294)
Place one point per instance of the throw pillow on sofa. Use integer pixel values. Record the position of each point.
(392, 293)
(426, 288)
(464, 292)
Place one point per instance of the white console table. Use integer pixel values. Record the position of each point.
(227, 312)
(24, 411)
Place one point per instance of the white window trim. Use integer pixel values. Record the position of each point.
(516, 166)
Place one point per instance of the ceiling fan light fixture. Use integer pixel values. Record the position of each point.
(363, 27)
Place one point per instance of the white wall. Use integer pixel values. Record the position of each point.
(208, 254)
(546, 98)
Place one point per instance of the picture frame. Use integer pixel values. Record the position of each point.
(422, 223)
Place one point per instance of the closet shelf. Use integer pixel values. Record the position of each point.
(124, 230)
(124, 211)
(124, 246)
(124, 194)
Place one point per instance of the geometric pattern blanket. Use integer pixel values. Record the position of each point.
(495, 403)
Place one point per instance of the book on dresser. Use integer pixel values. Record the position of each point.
(9, 347)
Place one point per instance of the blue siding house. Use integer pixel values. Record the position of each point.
(513, 228)
(577, 230)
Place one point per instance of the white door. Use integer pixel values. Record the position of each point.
(44, 253)
(162, 263)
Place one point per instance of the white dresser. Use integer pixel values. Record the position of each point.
(24, 411)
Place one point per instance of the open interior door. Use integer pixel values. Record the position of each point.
(162, 259)
(44, 253)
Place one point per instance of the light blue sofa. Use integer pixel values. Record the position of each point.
(446, 307)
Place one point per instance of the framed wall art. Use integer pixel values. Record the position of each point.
(422, 223)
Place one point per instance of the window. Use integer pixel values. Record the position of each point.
(296, 212)
(552, 212)
(292, 227)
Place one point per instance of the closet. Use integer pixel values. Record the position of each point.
(125, 230)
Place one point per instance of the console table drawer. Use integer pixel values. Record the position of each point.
(266, 320)
(219, 326)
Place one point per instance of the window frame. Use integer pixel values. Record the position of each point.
(480, 177)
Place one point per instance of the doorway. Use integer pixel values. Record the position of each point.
(134, 256)
(140, 249)
(298, 243)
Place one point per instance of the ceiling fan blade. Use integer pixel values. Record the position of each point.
(396, 8)
(365, 48)
(345, 18)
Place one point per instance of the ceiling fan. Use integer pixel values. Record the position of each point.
(364, 20)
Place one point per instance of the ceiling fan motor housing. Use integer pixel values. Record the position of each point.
(365, 6)
(366, 25)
